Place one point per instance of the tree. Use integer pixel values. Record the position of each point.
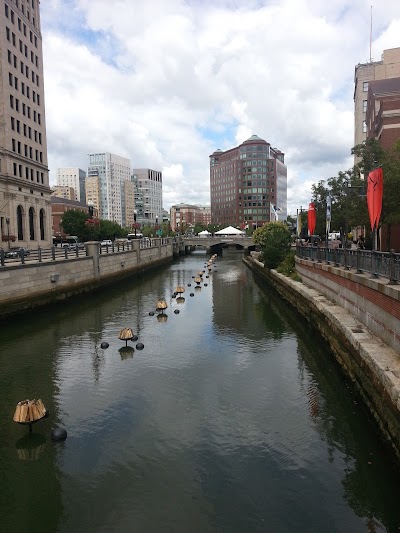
(74, 223)
(274, 240)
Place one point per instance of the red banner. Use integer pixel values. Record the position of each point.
(312, 218)
(374, 196)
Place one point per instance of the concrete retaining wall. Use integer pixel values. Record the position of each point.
(373, 366)
(372, 301)
(33, 284)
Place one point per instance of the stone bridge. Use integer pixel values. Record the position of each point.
(218, 242)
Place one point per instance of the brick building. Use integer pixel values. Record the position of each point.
(59, 206)
(245, 181)
(383, 111)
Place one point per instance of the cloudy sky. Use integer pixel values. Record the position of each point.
(166, 82)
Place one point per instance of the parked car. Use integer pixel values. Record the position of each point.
(106, 242)
(17, 252)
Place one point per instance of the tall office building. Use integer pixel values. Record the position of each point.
(245, 181)
(148, 195)
(73, 177)
(111, 170)
(25, 209)
(388, 67)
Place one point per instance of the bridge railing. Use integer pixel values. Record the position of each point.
(376, 263)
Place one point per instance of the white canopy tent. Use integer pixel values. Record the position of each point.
(230, 230)
(204, 233)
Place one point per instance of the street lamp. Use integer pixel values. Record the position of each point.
(8, 231)
(90, 209)
(134, 218)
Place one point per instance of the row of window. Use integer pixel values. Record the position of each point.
(28, 150)
(13, 61)
(18, 171)
(26, 110)
(9, 13)
(25, 89)
(11, 37)
(27, 130)
(31, 219)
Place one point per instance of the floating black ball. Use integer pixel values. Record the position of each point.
(58, 434)
(193, 277)
(104, 345)
(176, 311)
(151, 313)
(189, 284)
(139, 346)
(205, 284)
(174, 295)
(207, 276)
(191, 294)
(134, 338)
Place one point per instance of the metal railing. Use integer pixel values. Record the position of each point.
(378, 264)
(23, 256)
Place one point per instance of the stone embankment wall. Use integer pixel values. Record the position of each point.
(372, 365)
(33, 284)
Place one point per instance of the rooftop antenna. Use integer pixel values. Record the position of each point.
(370, 40)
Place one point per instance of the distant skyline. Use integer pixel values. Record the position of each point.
(167, 83)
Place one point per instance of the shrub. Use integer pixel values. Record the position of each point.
(274, 240)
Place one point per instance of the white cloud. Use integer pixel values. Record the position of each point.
(166, 83)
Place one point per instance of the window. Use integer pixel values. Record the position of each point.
(365, 105)
(13, 144)
(364, 127)
(10, 78)
(23, 88)
(15, 168)
(8, 33)
(9, 56)
(11, 101)
(365, 86)
(16, 83)
(12, 123)
(6, 10)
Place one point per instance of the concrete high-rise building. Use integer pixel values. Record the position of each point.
(25, 210)
(388, 67)
(112, 170)
(148, 195)
(128, 203)
(73, 177)
(245, 182)
(62, 191)
(92, 190)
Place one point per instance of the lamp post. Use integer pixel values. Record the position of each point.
(134, 218)
(90, 209)
(8, 231)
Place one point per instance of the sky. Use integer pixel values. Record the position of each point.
(167, 82)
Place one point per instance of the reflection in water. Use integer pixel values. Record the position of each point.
(233, 417)
(126, 352)
(30, 447)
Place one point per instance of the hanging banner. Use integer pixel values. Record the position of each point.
(374, 196)
(299, 223)
(312, 218)
(328, 213)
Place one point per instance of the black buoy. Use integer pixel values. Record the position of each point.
(104, 345)
(173, 296)
(205, 284)
(189, 284)
(193, 277)
(191, 294)
(58, 434)
(139, 346)
(207, 276)
(134, 338)
(176, 311)
(151, 313)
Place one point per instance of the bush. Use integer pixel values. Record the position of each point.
(274, 240)
(288, 267)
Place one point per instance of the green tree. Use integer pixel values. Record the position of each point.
(74, 223)
(274, 240)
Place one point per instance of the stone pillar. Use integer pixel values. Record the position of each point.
(93, 250)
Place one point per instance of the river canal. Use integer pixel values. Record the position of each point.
(234, 417)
